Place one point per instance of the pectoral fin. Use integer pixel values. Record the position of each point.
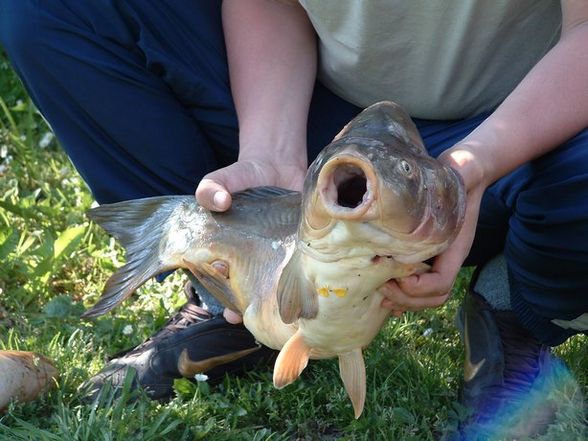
(291, 360)
(297, 296)
(217, 283)
(352, 371)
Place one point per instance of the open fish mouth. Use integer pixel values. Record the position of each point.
(347, 187)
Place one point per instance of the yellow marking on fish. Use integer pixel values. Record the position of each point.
(324, 291)
(340, 292)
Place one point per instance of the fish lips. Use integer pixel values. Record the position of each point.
(347, 187)
(424, 213)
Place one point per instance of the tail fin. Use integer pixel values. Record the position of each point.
(139, 225)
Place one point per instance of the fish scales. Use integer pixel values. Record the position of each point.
(304, 268)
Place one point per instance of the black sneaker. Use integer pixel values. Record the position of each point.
(192, 342)
(509, 377)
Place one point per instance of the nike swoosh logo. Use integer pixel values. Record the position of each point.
(470, 370)
(189, 368)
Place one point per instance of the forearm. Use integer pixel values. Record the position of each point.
(271, 49)
(548, 107)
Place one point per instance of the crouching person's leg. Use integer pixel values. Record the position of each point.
(528, 299)
(138, 95)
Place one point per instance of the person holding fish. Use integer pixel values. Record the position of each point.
(237, 94)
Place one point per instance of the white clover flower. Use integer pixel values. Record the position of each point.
(201, 377)
(46, 139)
(127, 330)
(427, 332)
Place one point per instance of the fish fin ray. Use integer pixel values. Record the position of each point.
(291, 360)
(296, 295)
(139, 226)
(122, 284)
(352, 372)
(215, 283)
(256, 193)
(123, 219)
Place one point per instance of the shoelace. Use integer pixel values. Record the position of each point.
(188, 315)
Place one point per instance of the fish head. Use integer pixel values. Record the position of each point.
(377, 174)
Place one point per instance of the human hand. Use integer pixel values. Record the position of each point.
(432, 289)
(215, 189)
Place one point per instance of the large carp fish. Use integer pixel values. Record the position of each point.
(304, 268)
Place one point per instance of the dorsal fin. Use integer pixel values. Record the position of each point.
(257, 193)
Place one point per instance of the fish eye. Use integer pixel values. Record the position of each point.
(405, 166)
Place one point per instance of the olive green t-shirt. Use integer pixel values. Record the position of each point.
(440, 59)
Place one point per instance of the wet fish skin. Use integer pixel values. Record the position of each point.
(375, 207)
(404, 187)
(304, 269)
(253, 240)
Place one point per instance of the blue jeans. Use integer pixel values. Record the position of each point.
(138, 94)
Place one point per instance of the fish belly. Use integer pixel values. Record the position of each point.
(350, 312)
(264, 322)
(344, 324)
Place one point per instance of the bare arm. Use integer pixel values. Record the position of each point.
(548, 107)
(271, 50)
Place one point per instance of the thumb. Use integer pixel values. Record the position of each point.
(213, 195)
(215, 189)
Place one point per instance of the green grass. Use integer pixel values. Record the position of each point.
(54, 264)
